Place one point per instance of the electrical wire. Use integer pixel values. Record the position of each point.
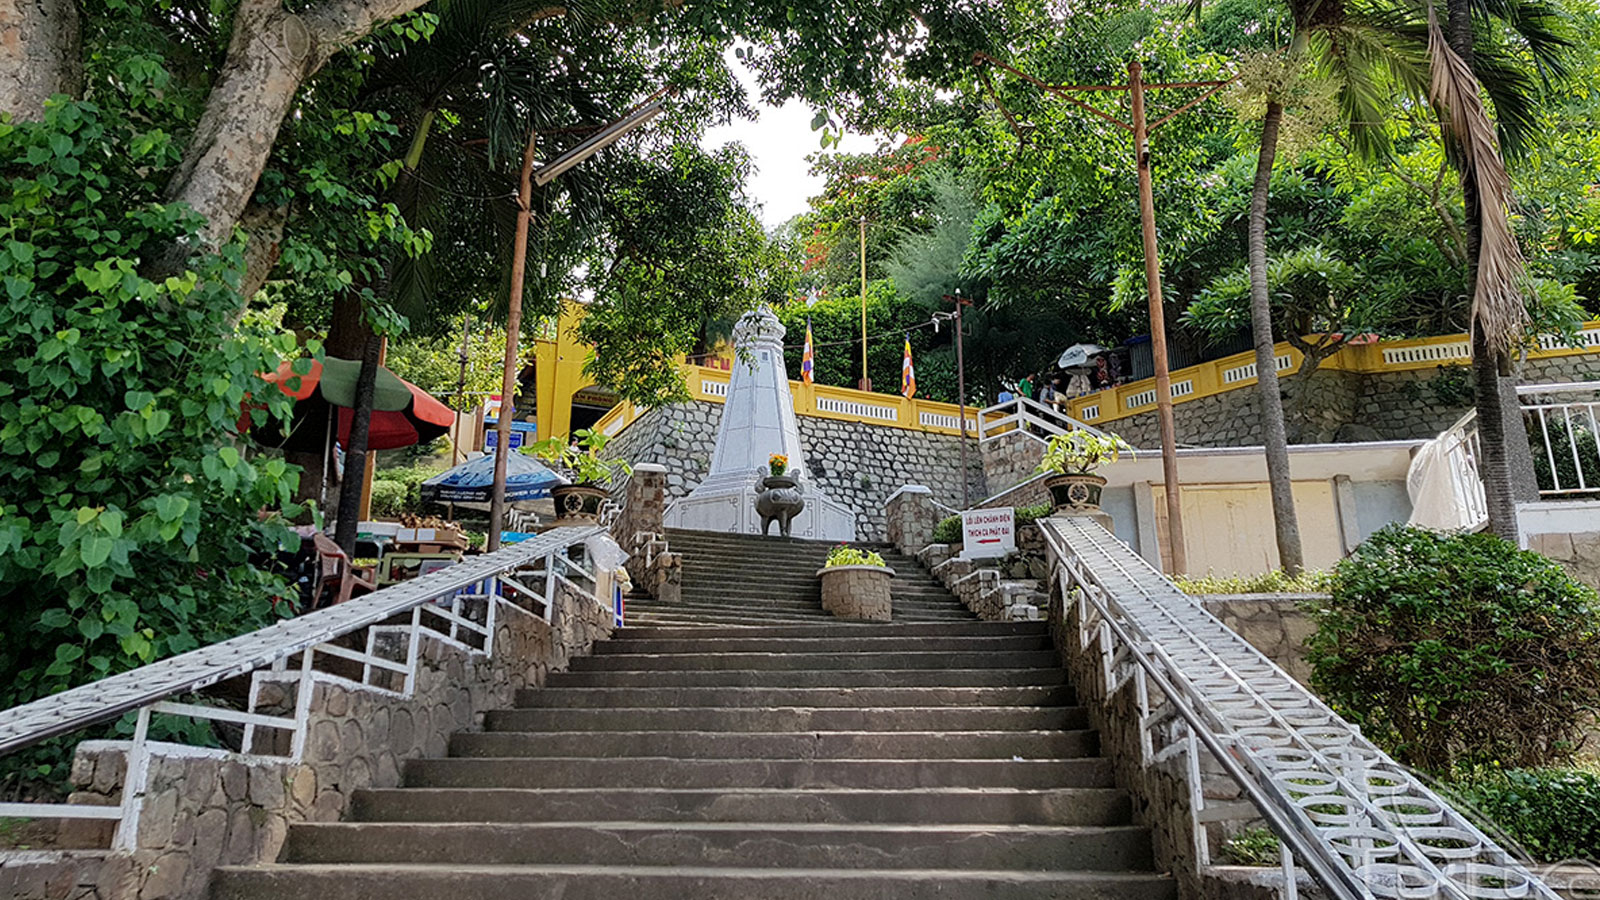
(871, 337)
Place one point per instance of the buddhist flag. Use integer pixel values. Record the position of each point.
(908, 373)
(807, 363)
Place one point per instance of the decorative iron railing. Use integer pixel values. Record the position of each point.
(1562, 428)
(377, 635)
(1358, 822)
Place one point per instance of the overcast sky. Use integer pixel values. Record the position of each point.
(779, 143)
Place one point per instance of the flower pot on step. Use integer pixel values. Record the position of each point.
(857, 592)
(578, 502)
(1074, 492)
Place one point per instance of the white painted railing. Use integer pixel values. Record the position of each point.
(458, 605)
(1354, 819)
(1035, 419)
(1563, 425)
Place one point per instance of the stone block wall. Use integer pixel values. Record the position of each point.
(1578, 553)
(1276, 624)
(1335, 406)
(857, 592)
(855, 464)
(205, 808)
(1009, 460)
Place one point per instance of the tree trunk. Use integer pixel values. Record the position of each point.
(1505, 462)
(40, 55)
(1274, 436)
(355, 455)
(263, 227)
(271, 53)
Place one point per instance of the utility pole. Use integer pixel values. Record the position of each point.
(866, 380)
(961, 391)
(1136, 88)
(508, 377)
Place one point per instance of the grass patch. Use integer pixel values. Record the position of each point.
(1275, 582)
(1252, 847)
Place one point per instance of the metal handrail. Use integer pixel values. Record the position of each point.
(111, 697)
(1018, 412)
(1312, 754)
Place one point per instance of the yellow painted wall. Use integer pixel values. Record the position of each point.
(558, 362)
(1228, 528)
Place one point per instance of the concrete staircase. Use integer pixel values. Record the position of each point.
(809, 759)
(737, 579)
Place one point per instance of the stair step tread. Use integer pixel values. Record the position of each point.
(1090, 772)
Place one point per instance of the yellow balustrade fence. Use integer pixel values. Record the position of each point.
(821, 401)
(1239, 370)
(1191, 383)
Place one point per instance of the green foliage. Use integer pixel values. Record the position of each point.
(388, 498)
(129, 511)
(891, 319)
(1253, 847)
(433, 362)
(1309, 581)
(1553, 814)
(843, 555)
(948, 531)
(683, 252)
(1080, 452)
(1571, 449)
(580, 456)
(1458, 649)
(1027, 514)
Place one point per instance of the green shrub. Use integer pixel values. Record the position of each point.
(1553, 813)
(1026, 514)
(1275, 582)
(948, 531)
(1560, 448)
(1252, 847)
(844, 555)
(388, 497)
(1460, 649)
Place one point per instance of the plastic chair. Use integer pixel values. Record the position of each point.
(335, 573)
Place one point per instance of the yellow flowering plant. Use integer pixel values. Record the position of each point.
(778, 463)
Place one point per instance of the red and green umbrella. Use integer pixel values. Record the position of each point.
(402, 413)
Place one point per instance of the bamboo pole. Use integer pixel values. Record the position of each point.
(866, 380)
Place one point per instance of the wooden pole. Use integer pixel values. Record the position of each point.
(508, 380)
(1158, 327)
(369, 471)
(961, 401)
(461, 391)
(866, 380)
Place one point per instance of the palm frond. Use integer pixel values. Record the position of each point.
(1498, 310)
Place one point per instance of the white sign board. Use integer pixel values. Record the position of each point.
(987, 533)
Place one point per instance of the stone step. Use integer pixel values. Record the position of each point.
(725, 774)
(786, 719)
(865, 643)
(838, 629)
(836, 678)
(812, 595)
(916, 745)
(837, 698)
(571, 882)
(707, 619)
(903, 659)
(758, 573)
(1035, 848)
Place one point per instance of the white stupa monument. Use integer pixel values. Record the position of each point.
(758, 421)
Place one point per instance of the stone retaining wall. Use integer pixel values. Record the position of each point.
(857, 592)
(205, 808)
(1276, 624)
(855, 464)
(1335, 406)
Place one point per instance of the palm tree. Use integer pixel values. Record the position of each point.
(1371, 52)
(1495, 266)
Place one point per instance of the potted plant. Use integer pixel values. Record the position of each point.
(1070, 460)
(855, 584)
(579, 459)
(780, 497)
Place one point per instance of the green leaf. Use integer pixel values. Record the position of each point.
(55, 618)
(229, 456)
(95, 549)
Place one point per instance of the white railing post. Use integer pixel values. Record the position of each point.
(135, 779)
